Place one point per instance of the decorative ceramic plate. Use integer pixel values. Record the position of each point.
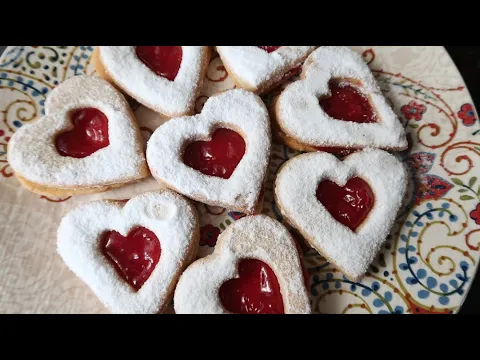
(426, 265)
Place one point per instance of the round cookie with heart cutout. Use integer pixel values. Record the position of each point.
(344, 209)
(166, 79)
(336, 106)
(87, 142)
(220, 156)
(132, 253)
(254, 269)
(262, 68)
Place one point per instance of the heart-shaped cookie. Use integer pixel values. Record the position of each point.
(218, 157)
(344, 209)
(131, 254)
(261, 68)
(254, 269)
(87, 142)
(337, 103)
(166, 79)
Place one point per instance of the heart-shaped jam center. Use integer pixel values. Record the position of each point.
(134, 256)
(90, 134)
(349, 204)
(256, 291)
(269, 49)
(217, 157)
(162, 60)
(347, 103)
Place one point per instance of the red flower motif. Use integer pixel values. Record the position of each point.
(467, 114)
(413, 111)
(235, 215)
(209, 235)
(475, 214)
(426, 186)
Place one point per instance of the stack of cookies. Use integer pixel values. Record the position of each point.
(342, 193)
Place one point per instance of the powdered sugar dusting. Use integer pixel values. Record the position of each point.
(75, 91)
(33, 154)
(295, 192)
(254, 237)
(256, 67)
(172, 98)
(171, 217)
(300, 116)
(237, 109)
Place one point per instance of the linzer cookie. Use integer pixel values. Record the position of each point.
(166, 79)
(218, 157)
(344, 209)
(262, 68)
(254, 269)
(87, 142)
(336, 105)
(131, 254)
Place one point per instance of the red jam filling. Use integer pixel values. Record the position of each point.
(217, 157)
(256, 291)
(269, 49)
(335, 150)
(134, 256)
(162, 60)
(348, 205)
(347, 103)
(90, 133)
